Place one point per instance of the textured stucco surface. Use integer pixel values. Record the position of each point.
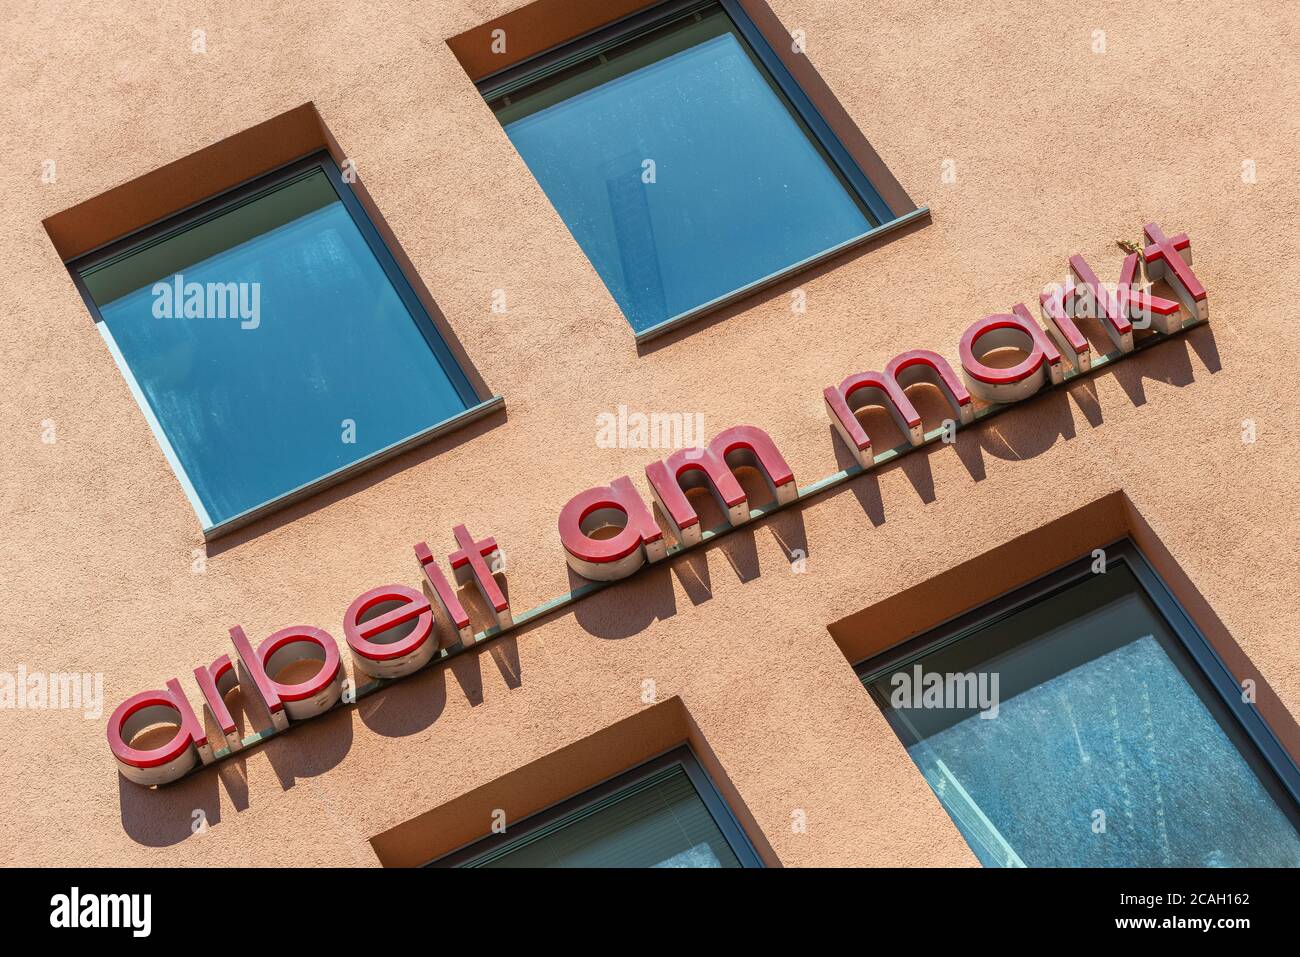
(1057, 149)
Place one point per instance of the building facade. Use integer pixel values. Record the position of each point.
(322, 314)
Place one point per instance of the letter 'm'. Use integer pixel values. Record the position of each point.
(889, 390)
(713, 468)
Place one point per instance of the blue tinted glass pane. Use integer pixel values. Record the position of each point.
(317, 363)
(738, 189)
(1102, 745)
(661, 823)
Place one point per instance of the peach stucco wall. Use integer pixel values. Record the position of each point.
(1057, 149)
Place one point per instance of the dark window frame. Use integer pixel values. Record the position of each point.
(493, 845)
(1274, 756)
(476, 404)
(568, 54)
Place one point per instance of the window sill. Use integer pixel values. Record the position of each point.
(699, 312)
(447, 426)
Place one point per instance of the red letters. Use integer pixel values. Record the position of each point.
(468, 564)
(1017, 329)
(889, 390)
(446, 595)
(710, 468)
(215, 681)
(608, 532)
(1171, 260)
(390, 656)
(1098, 301)
(168, 761)
(1057, 307)
(288, 646)
(606, 559)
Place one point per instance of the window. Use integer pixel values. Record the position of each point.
(663, 814)
(1114, 737)
(685, 160)
(272, 342)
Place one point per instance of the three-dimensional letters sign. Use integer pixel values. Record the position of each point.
(391, 630)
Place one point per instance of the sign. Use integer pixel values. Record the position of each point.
(390, 630)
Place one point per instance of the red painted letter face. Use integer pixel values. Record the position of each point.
(479, 562)
(713, 468)
(1171, 259)
(1017, 329)
(388, 630)
(168, 761)
(638, 540)
(1119, 312)
(286, 647)
(216, 681)
(444, 593)
(888, 390)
